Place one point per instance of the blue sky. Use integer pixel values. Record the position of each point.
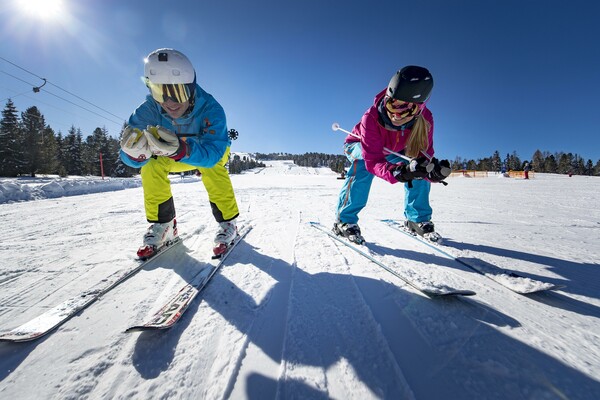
(513, 75)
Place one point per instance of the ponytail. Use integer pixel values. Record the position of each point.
(419, 137)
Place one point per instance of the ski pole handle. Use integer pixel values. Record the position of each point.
(336, 127)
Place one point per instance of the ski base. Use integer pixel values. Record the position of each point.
(430, 290)
(508, 279)
(172, 310)
(53, 318)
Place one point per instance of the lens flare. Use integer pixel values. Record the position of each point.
(41, 9)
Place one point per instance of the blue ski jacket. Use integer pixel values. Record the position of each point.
(205, 129)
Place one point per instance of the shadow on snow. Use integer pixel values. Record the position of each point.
(443, 348)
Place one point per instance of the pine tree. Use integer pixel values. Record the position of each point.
(596, 170)
(89, 164)
(77, 153)
(565, 163)
(578, 165)
(485, 164)
(235, 165)
(550, 164)
(537, 161)
(71, 151)
(514, 162)
(49, 163)
(589, 168)
(496, 161)
(33, 130)
(60, 155)
(457, 164)
(110, 153)
(10, 141)
(94, 145)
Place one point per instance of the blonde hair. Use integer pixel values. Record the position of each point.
(419, 137)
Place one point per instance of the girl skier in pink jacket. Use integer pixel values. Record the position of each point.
(398, 121)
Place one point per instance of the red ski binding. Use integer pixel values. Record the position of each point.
(219, 250)
(145, 252)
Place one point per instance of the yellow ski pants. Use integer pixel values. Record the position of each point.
(158, 200)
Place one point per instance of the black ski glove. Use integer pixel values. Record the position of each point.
(441, 170)
(418, 168)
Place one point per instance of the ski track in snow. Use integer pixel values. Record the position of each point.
(292, 314)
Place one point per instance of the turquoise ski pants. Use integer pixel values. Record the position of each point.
(355, 191)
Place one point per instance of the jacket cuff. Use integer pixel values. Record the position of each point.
(181, 152)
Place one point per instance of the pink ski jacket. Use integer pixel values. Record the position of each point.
(374, 137)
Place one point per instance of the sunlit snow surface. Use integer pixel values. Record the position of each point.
(293, 314)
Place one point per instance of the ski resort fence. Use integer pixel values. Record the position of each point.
(484, 174)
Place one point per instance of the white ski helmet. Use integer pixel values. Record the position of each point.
(168, 66)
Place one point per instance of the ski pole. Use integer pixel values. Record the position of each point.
(336, 127)
(428, 168)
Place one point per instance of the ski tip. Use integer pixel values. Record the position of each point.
(543, 289)
(140, 328)
(20, 338)
(152, 326)
(558, 287)
(454, 293)
(448, 292)
(466, 293)
(145, 328)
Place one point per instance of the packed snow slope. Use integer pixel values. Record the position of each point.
(294, 314)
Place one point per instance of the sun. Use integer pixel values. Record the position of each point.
(41, 9)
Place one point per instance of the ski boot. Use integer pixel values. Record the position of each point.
(225, 237)
(349, 231)
(425, 229)
(158, 236)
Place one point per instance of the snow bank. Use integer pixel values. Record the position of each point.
(25, 189)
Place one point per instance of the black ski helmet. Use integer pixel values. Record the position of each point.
(412, 84)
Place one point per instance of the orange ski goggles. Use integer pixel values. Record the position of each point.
(178, 92)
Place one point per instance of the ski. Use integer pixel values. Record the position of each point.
(174, 308)
(414, 280)
(509, 279)
(53, 318)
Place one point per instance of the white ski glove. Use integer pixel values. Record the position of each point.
(163, 142)
(134, 144)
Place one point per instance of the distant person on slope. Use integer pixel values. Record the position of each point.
(399, 121)
(153, 141)
(526, 169)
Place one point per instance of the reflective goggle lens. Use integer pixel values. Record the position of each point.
(178, 92)
(403, 109)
